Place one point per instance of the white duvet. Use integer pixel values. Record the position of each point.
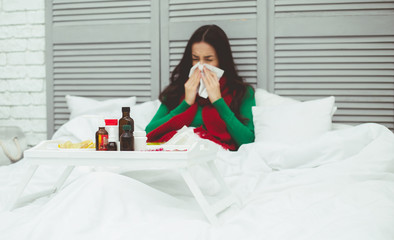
(339, 185)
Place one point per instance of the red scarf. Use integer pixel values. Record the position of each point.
(215, 131)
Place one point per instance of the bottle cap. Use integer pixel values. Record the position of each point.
(111, 122)
(126, 127)
(125, 109)
(139, 134)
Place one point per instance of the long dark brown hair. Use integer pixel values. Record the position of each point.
(217, 38)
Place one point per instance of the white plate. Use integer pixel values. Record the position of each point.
(77, 149)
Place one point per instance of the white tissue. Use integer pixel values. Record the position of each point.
(202, 91)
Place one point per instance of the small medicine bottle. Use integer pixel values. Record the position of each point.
(139, 140)
(126, 139)
(126, 120)
(101, 139)
(111, 125)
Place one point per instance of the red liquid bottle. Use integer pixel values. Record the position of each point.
(101, 139)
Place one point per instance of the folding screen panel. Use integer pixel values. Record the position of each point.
(100, 49)
(239, 19)
(343, 48)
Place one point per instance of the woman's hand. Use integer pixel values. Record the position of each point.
(191, 86)
(212, 85)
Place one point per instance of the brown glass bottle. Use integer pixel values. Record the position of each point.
(101, 139)
(112, 146)
(126, 139)
(126, 120)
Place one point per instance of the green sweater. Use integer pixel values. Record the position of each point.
(241, 133)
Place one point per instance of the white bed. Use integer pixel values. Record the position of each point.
(312, 180)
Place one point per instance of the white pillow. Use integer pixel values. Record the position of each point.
(111, 108)
(293, 123)
(84, 127)
(78, 129)
(264, 99)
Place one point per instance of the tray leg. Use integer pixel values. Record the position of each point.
(201, 200)
(63, 178)
(211, 210)
(17, 198)
(223, 185)
(21, 187)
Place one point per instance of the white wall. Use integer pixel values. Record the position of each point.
(22, 67)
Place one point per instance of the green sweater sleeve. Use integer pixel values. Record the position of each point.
(241, 132)
(163, 115)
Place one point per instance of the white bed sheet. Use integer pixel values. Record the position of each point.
(337, 186)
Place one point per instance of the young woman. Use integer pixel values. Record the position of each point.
(226, 116)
